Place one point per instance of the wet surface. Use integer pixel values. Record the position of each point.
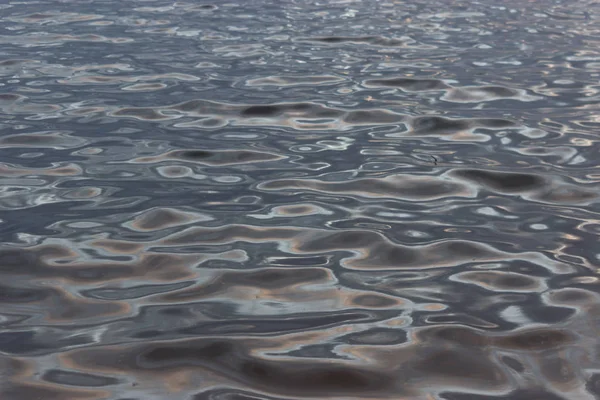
(341, 199)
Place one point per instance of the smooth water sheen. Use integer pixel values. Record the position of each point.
(299, 199)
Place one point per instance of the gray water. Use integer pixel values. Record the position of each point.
(299, 199)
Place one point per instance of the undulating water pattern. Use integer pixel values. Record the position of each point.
(299, 199)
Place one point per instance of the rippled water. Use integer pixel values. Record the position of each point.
(299, 199)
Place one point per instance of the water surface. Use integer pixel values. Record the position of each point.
(299, 199)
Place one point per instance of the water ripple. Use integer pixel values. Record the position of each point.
(254, 200)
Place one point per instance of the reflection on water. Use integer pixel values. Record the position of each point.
(299, 199)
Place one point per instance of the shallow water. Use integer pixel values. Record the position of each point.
(299, 199)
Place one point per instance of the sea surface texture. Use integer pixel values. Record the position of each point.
(299, 199)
